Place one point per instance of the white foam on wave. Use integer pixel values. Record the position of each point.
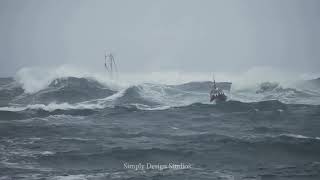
(53, 106)
(171, 97)
(70, 177)
(92, 104)
(34, 79)
(46, 153)
(146, 107)
(299, 136)
(77, 139)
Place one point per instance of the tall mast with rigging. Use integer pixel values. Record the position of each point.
(110, 65)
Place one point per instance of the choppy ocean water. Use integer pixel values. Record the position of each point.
(78, 128)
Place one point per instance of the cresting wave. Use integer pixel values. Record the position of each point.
(87, 93)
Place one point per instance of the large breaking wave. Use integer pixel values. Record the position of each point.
(88, 93)
(83, 96)
(70, 89)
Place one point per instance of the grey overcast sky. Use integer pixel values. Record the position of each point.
(161, 35)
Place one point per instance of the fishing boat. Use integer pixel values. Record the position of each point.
(217, 94)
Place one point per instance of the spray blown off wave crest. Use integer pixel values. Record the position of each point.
(67, 88)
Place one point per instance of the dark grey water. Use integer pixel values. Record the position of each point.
(79, 129)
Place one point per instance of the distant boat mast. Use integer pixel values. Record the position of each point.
(213, 85)
(110, 65)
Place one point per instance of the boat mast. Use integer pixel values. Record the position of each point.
(214, 82)
(110, 65)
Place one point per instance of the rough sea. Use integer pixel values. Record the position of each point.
(79, 128)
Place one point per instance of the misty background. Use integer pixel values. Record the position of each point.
(166, 35)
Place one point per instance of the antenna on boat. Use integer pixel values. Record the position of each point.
(213, 85)
(110, 65)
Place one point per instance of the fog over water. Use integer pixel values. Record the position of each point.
(162, 36)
